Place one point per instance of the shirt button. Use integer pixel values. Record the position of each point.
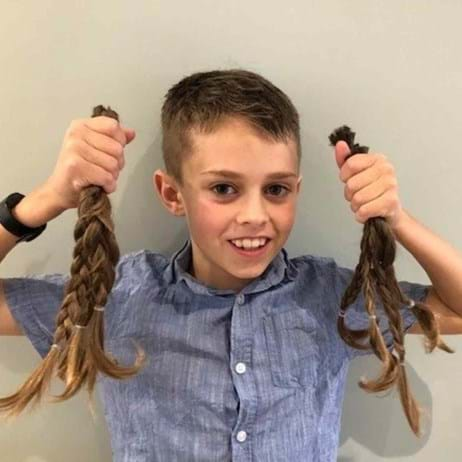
(240, 368)
(240, 299)
(241, 436)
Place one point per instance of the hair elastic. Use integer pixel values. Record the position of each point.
(78, 326)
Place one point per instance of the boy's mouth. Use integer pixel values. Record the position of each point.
(259, 251)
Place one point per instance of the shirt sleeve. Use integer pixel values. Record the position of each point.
(356, 315)
(34, 302)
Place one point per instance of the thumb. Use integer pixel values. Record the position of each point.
(341, 152)
(130, 134)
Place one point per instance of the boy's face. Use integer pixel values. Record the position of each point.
(252, 205)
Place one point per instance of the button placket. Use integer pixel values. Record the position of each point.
(240, 367)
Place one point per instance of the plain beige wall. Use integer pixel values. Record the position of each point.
(389, 69)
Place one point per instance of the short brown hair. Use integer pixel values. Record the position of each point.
(203, 100)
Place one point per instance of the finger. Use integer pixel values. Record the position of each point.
(107, 126)
(97, 175)
(368, 195)
(101, 159)
(375, 208)
(106, 145)
(360, 181)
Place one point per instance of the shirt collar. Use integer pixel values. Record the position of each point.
(279, 270)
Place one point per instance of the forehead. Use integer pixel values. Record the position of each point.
(236, 145)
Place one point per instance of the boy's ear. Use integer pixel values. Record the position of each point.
(299, 182)
(168, 193)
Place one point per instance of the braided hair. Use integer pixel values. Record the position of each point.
(77, 352)
(373, 275)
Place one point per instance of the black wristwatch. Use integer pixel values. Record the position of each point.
(9, 222)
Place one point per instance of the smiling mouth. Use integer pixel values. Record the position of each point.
(251, 252)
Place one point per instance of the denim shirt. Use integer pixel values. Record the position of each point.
(257, 375)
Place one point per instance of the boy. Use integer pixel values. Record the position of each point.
(244, 358)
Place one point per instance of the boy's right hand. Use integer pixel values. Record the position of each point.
(92, 153)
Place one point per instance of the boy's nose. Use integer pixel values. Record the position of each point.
(254, 210)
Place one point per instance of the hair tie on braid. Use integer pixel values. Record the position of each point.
(75, 357)
(374, 275)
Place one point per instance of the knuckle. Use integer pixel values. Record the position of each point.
(75, 184)
(113, 165)
(349, 187)
(74, 126)
(118, 149)
(392, 182)
(345, 194)
(74, 144)
(348, 165)
(73, 163)
(110, 124)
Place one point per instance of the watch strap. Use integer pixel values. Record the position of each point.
(11, 224)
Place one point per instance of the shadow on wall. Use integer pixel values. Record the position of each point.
(141, 221)
(376, 421)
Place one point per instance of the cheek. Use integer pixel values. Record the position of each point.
(206, 218)
(284, 217)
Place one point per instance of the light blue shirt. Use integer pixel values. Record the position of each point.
(257, 375)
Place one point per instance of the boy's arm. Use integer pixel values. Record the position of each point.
(37, 208)
(443, 265)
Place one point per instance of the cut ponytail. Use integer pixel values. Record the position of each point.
(374, 275)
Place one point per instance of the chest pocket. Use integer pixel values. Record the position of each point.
(292, 342)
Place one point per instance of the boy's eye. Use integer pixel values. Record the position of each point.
(225, 185)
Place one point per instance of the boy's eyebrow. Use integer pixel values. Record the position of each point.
(231, 174)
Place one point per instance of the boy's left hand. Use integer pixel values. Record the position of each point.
(371, 186)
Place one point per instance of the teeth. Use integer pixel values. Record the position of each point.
(250, 243)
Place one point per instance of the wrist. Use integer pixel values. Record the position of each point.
(399, 224)
(37, 208)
